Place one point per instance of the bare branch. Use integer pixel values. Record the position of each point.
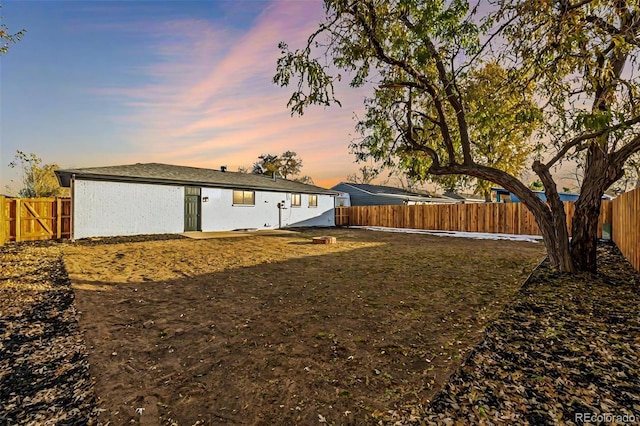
(585, 137)
(627, 151)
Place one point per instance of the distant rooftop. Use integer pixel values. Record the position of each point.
(391, 192)
(381, 189)
(169, 174)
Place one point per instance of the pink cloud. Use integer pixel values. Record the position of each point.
(211, 101)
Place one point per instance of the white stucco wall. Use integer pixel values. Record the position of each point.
(104, 209)
(343, 200)
(219, 213)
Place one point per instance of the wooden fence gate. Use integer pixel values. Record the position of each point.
(31, 219)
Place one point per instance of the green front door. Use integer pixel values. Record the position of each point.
(191, 209)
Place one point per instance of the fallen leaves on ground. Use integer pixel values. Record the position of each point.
(567, 345)
(44, 373)
(565, 352)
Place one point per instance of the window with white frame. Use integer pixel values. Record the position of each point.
(296, 200)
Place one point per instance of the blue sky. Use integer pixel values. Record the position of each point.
(96, 83)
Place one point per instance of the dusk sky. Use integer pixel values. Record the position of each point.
(98, 83)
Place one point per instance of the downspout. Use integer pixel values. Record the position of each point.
(281, 206)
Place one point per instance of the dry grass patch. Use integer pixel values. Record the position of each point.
(266, 330)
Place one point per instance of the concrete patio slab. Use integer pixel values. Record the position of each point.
(198, 235)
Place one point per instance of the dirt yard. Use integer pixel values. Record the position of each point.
(276, 330)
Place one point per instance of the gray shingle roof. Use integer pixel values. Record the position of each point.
(168, 174)
(377, 193)
(381, 189)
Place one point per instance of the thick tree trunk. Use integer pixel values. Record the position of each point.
(559, 253)
(600, 173)
(564, 261)
(584, 231)
(553, 227)
(551, 218)
(550, 238)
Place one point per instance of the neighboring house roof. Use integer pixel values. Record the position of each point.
(391, 192)
(168, 174)
(381, 189)
(464, 197)
(564, 196)
(453, 195)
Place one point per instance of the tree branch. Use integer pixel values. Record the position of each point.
(491, 174)
(577, 140)
(567, 6)
(428, 118)
(424, 84)
(627, 151)
(454, 101)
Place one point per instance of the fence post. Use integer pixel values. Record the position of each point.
(2, 221)
(58, 218)
(18, 222)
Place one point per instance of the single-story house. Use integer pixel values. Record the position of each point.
(501, 195)
(158, 198)
(361, 194)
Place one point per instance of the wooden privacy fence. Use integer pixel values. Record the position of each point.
(502, 218)
(30, 219)
(626, 225)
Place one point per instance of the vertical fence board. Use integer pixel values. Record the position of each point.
(3, 221)
(58, 215)
(445, 224)
(17, 219)
(475, 216)
(626, 229)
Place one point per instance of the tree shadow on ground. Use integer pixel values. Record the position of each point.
(345, 335)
